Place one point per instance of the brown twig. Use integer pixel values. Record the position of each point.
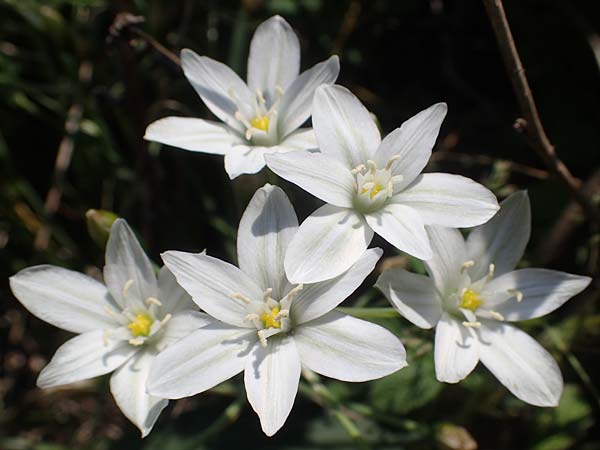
(62, 163)
(126, 21)
(531, 124)
(348, 25)
(485, 160)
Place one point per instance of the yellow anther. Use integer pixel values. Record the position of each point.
(140, 326)
(373, 191)
(470, 300)
(260, 122)
(269, 319)
(472, 324)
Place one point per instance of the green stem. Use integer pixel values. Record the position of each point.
(229, 416)
(370, 313)
(575, 364)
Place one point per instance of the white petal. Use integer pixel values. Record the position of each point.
(345, 129)
(413, 295)
(345, 348)
(503, 239)
(86, 356)
(456, 351)
(543, 291)
(412, 142)
(520, 363)
(211, 283)
(181, 325)
(449, 200)
(218, 86)
(244, 159)
(271, 377)
(318, 174)
(316, 299)
(449, 254)
(265, 231)
(127, 264)
(172, 296)
(274, 59)
(296, 104)
(64, 298)
(301, 139)
(402, 227)
(200, 361)
(192, 134)
(327, 244)
(128, 387)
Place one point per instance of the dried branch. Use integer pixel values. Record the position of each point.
(125, 21)
(531, 124)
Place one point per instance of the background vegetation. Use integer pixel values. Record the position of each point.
(76, 93)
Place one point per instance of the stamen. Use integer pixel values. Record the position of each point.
(491, 271)
(391, 161)
(358, 169)
(466, 265)
(267, 295)
(242, 297)
(260, 97)
(255, 319)
(126, 287)
(295, 291)
(231, 93)
(262, 338)
(279, 91)
(496, 315)
(517, 294)
(283, 314)
(472, 324)
(137, 341)
(165, 320)
(372, 166)
(106, 337)
(153, 301)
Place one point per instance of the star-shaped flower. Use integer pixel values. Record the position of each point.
(261, 117)
(472, 292)
(372, 185)
(122, 326)
(266, 326)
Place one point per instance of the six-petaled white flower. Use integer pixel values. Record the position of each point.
(372, 185)
(259, 118)
(473, 291)
(122, 326)
(266, 326)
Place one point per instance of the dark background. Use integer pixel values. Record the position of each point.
(67, 83)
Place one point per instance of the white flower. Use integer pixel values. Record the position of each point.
(121, 326)
(267, 327)
(473, 291)
(259, 118)
(370, 186)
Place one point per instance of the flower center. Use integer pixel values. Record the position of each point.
(141, 325)
(271, 319)
(269, 316)
(374, 186)
(260, 123)
(470, 300)
(257, 117)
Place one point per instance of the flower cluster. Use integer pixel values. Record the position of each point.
(182, 329)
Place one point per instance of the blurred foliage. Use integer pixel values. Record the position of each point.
(70, 87)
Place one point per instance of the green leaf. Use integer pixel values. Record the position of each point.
(408, 389)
